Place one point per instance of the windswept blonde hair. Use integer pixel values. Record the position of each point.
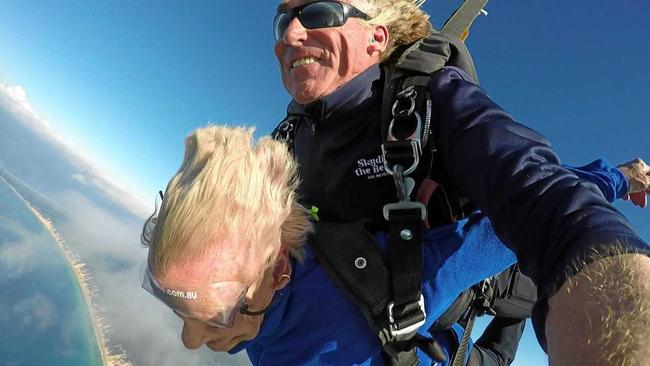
(234, 194)
(405, 20)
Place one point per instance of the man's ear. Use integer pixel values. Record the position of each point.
(378, 39)
(282, 271)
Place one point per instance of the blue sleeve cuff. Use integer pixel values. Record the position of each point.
(611, 181)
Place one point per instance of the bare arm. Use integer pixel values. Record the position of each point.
(601, 316)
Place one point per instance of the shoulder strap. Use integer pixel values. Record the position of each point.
(404, 134)
(352, 259)
(434, 52)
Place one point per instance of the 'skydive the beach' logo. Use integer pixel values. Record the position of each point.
(371, 168)
(190, 295)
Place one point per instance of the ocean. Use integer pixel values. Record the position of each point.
(44, 320)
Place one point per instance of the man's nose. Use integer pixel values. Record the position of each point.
(295, 33)
(194, 334)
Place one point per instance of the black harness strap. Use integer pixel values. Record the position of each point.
(461, 353)
(434, 52)
(403, 136)
(352, 259)
(405, 255)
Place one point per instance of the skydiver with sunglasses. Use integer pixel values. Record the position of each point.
(236, 268)
(330, 54)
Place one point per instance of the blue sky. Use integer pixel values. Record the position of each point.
(125, 81)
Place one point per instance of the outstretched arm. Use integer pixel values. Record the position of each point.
(555, 223)
(601, 316)
(627, 181)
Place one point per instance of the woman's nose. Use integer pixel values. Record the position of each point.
(194, 334)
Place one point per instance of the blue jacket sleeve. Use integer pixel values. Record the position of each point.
(554, 221)
(611, 181)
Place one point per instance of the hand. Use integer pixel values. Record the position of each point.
(637, 173)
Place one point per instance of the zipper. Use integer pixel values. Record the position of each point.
(314, 168)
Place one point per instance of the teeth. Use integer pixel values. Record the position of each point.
(304, 61)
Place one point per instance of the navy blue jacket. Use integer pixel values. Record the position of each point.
(544, 212)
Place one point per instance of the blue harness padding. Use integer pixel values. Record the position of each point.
(311, 322)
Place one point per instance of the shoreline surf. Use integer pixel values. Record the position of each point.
(84, 280)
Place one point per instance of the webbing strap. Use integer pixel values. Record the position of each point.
(405, 253)
(405, 354)
(459, 23)
(461, 353)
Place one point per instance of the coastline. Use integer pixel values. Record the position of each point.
(88, 288)
(84, 281)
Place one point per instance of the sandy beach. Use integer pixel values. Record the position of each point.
(88, 288)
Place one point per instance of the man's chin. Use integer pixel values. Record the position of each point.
(306, 91)
(305, 97)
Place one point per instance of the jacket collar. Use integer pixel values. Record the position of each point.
(364, 89)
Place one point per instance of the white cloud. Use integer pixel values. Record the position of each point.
(93, 231)
(14, 100)
(18, 257)
(106, 238)
(36, 312)
(103, 239)
(80, 178)
(19, 95)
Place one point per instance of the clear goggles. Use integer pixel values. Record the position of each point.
(215, 304)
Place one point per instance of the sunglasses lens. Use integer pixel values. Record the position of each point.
(322, 15)
(280, 24)
(316, 15)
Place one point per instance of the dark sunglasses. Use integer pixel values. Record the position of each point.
(319, 14)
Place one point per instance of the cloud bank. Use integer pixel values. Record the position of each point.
(101, 223)
(29, 138)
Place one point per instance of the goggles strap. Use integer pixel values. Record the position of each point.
(244, 309)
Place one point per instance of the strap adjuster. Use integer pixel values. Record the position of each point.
(409, 205)
(416, 150)
(411, 321)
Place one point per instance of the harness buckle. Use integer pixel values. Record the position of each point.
(405, 206)
(412, 317)
(484, 297)
(404, 131)
(416, 151)
(404, 188)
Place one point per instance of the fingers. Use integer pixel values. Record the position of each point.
(640, 198)
(637, 173)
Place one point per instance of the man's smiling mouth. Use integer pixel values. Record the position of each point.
(303, 61)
